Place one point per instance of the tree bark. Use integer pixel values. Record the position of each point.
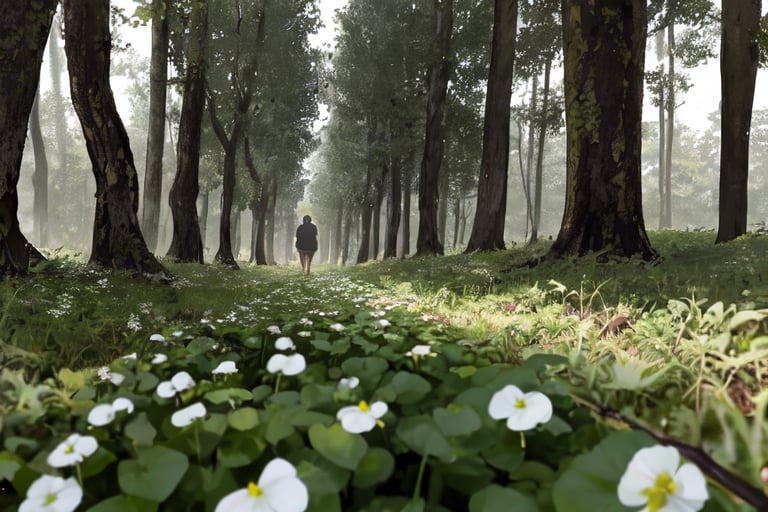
(427, 241)
(24, 28)
(153, 171)
(488, 227)
(117, 238)
(337, 237)
(395, 198)
(604, 46)
(405, 244)
(539, 174)
(670, 131)
(188, 241)
(738, 70)
(40, 178)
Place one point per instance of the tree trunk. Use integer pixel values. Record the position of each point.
(337, 237)
(188, 241)
(604, 47)
(662, 156)
(40, 178)
(406, 239)
(30, 22)
(395, 197)
(670, 131)
(117, 238)
(204, 201)
(366, 212)
(269, 240)
(376, 227)
(442, 208)
(539, 174)
(738, 70)
(427, 241)
(488, 227)
(346, 235)
(153, 171)
(56, 69)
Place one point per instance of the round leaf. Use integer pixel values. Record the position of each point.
(154, 475)
(375, 467)
(338, 445)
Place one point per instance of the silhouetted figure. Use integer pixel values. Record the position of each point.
(306, 243)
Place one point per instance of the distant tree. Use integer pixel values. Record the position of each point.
(604, 49)
(739, 55)
(117, 238)
(40, 178)
(158, 78)
(187, 242)
(427, 241)
(488, 226)
(24, 28)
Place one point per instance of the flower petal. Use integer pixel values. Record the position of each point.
(276, 363)
(275, 470)
(225, 367)
(101, 415)
(287, 495)
(357, 422)
(182, 380)
(165, 389)
(378, 409)
(503, 402)
(188, 415)
(294, 364)
(122, 404)
(233, 500)
(159, 359)
(691, 484)
(284, 343)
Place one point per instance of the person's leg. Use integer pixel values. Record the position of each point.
(309, 260)
(303, 259)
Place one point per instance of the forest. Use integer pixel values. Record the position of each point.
(534, 284)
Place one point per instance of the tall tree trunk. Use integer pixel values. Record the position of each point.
(406, 238)
(604, 47)
(188, 240)
(530, 150)
(539, 174)
(269, 241)
(662, 156)
(488, 227)
(204, 203)
(442, 207)
(56, 69)
(348, 213)
(376, 227)
(260, 209)
(28, 21)
(366, 212)
(738, 70)
(670, 131)
(427, 241)
(117, 238)
(40, 178)
(153, 172)
(337, 237)
(456, 221)
(395, 199)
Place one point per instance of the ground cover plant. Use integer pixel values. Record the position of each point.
(455, 383)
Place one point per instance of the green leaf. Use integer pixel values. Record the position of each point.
(147, 381)
(324, 503)
(240, 449)
(244, 418)
(495, 497)
(421, 434)
(416, 505)
(222, 396)
(154, 474)
(141, 430)
(322, 345)
(457, 420)
(261, 392)
(9, 464)
(97, 462)
(321, 475)
(410, 388)
(338, 445)
(591, 481)
(376, 466)
(367, 369)
(201, 345)
(464, 371)
(121, 503)
(506, 453)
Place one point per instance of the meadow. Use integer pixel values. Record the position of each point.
(227, 371)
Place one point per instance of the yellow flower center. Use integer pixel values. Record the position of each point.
(49, 499)
(363, 405)
(254, 490)
(520, 404)
(69, 449)
(657, 495)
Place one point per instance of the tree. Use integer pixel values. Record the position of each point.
(738, 70)
(488, 226)
(604, 49)
(187, 244)
(40, 178)
(158, 77)
(117, 238)
(427, 241)
(24, 28)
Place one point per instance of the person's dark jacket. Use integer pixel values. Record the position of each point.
(306, 237)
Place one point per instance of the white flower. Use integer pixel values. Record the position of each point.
(654, 480)
(420, 351)
(381, 323)
(103, 414)
(116, 378)
(104, 373)
(304, 334)
(305, 321)
(362, 417)
(159, 359)
(284, 343)
(188, 415)
(177, 334)
(348, 383)
(52, 494)
(158, 338)
(523, 411)
(225, 367)
(288, 365)
(336, 327)
(73, 450)
(278, 490)
(132, 356)
(178, 383)
(273, 329)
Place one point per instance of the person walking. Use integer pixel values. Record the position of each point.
(306, 243)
